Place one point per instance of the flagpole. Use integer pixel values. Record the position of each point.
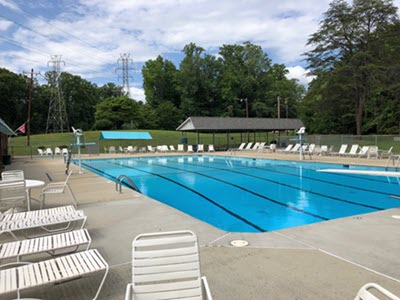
(29, 109)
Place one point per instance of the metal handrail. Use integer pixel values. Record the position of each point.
(392, 158)
(119, 181)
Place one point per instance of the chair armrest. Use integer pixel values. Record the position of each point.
(205, 288)
(53, 185)
(129, 292)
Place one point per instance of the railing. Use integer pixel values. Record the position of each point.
(120, 179)
(395, 159)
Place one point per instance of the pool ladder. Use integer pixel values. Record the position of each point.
(230, 151)
(392, 158)
(120, 179)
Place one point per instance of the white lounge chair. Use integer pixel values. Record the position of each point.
(248, 147)
(57, 270)
(364, 151)
(57, 188)
(365, 294)
(324, 150)
(68, 221)
(190, 149)
(172, 148)
(49, 151)
(255, 146)
(288, 149)
(211, 148)
(151, 149)
(34, 214)
(165, 265)
(64, 151)
(12, 175)
(342, 150)
(53, 244)
(57, 151)
(353, 150)
(241, 147)
(373, 152)
(200, 148)
(386, 154)
(111, 149)
(295, 148)
(40, 152)
(180, 148)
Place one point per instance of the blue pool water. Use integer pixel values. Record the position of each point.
(252, 195)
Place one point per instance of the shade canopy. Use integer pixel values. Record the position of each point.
(125, 135)
(210, 124)
(4, 128)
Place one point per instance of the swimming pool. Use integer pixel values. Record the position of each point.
(252, 195)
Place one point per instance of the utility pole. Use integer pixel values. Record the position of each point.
(279, 108)
(57, 118)
(28, 127)
(125, 66)
(287, 108)
(247, 106)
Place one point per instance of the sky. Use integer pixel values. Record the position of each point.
(91, 35)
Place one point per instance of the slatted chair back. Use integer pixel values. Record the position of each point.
(180, 148)
(12, 192)
(166, 266)
(12, 175)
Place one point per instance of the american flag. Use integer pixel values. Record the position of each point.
(21, 128)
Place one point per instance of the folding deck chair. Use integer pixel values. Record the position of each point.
(165, 265)
(52, 271)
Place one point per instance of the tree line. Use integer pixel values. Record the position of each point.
(354, 58)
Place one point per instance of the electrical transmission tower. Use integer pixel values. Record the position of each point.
(57, 120)
(124, 67)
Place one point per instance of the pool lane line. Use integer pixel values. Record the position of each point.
(244, 189)
(311, 178)
(282, 184)
(244, 220)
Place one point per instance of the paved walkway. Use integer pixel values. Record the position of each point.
(329, 260)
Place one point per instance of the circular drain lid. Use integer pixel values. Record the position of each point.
(239, 243)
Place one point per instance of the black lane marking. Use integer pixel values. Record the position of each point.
(244, 220)
(315, 179)
(289, 186)
(239, 187)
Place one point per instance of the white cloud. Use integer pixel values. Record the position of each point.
(299, 73)
(137, 94)
(4, 25)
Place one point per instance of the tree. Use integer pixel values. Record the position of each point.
(13, 98)
(113, 113)
(160, 82)
(347, 45)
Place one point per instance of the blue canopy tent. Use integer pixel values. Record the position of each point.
(125, 135)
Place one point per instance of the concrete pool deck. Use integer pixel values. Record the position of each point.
(329, 260)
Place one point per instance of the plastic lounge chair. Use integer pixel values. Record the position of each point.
(111, 149)
(324, 150)
(365, 294)
(211, 148)
(40, 151)
(295, 148)
(200, 148)
(64, 151)
(57, 270)
(241, 147)
(353, 150)
(57, 188)
(34, 214)
(190, 148)
(12, 175)
(180, 148)
(261, 146)
(56, 243)
(57, 151)
(373, 152)
(150, 149)
(49, 151)
(248, 147)
(342, 150)
(12, 193)
(255, 146)
(165, 265)
(287, 149)
(69, 219)
(172, 148)
(364, 151)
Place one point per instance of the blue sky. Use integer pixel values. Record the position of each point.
(91, 34)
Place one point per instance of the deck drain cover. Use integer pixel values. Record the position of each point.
(239, 243)
(396, 217)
